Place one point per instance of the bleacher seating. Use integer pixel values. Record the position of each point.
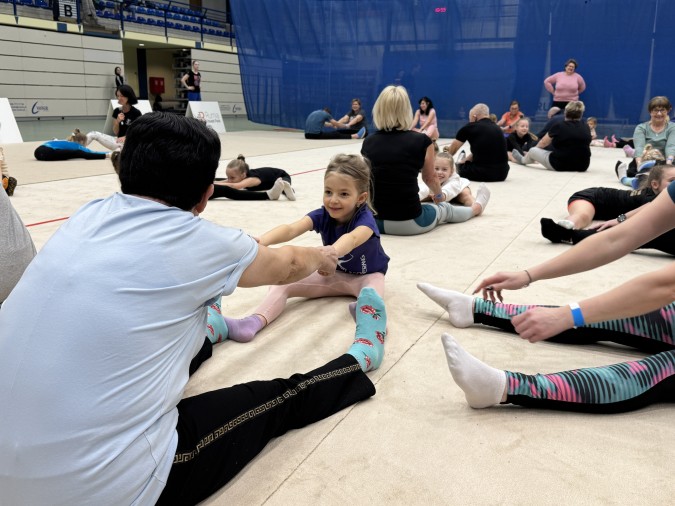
(149, 17)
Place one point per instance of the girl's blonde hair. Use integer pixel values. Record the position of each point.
(651, 153)
(239, 164)
(78, 137)
(358, 169)
(392, 109)
(448, 157)
(655, 174)
(525, 118)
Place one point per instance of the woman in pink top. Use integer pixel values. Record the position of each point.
(565, 86)
(425, 119)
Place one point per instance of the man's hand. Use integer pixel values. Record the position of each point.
(327, 268)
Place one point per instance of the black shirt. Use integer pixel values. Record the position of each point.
(571, 151)
(129, 117)
(267, 176)
(488, 144)
(397, 157)
(522, 144)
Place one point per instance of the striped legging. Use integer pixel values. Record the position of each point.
(610, 389)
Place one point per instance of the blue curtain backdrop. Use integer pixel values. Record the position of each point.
(297, 56)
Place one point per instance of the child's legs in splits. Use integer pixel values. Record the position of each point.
(312, 287)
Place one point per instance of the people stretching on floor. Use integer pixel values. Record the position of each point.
(347, 226)
(490, 160)
(570, 140)
(639, 313)
(613, 205)
(425, 120)
(455, 189)
(320, 124)
(397, 155)
(69, 149)
(115, 385)
(521, 139)
(244, 183)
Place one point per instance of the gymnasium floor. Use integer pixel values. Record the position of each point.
(416, 441)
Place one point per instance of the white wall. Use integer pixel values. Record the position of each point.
(45, 73)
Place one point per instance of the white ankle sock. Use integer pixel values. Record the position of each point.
(483, 385)
(568, 224)
(275, 192)
(458, 305)
(622, 171)
(482, 195)
(288, 191)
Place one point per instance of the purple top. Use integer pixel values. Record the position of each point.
(367, 258)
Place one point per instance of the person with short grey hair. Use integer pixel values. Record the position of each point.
(570, 140)
(489, 160)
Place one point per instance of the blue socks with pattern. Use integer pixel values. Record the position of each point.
(371, 325)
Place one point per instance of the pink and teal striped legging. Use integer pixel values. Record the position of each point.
(610, 389)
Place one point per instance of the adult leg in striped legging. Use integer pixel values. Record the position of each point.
(651, 332)
(609, 389)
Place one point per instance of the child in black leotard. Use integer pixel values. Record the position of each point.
(243, 183)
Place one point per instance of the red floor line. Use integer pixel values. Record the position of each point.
(48, 221)
(61, 219)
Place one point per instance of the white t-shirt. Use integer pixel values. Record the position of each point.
(452, 187)
(95, 346)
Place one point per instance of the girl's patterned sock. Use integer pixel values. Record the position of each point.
(371, 324)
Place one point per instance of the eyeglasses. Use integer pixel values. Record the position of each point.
(659, 109)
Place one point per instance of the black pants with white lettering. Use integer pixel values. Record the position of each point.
(220, 432)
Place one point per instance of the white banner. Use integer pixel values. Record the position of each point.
(208, 112)
(142, 105)
(232, 108)
(9, 130)
(33, 108)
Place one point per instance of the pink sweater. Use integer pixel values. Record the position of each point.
(567, 88)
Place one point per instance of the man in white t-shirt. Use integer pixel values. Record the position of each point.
(98, 337)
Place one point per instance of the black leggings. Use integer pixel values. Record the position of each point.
(474, 172)
(221, 431)
(47, 154)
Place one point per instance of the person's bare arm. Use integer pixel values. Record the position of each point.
(184, 82)
(415, 120)
(248, 182)
(600, 249)
(355, 238)
(280, 266)
(656, 289)
(544, 141)
(429, 173)
(286, 232)
(454, 147)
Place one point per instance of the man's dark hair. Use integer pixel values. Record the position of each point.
(170, 158)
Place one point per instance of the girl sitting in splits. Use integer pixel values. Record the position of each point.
(611, 204)
(72, 147)
(454, 189)
(640, 313)
(243, 183)
(346, 223)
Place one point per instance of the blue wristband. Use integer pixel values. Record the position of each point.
(577, 315)
(439, 196)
